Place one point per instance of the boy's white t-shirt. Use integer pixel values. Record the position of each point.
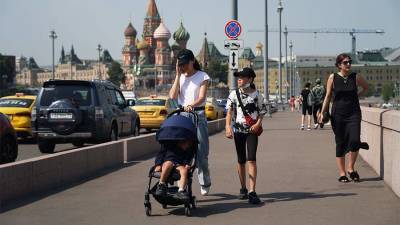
(189, 88)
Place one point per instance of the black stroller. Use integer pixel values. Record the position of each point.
(175, 127)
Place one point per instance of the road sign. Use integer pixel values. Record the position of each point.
(234, 59)
(233, 44)
(233, 29)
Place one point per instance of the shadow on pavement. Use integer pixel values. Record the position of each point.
(223, 203)
(292, 196)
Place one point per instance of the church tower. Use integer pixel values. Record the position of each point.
(162, 53)
(151, 22)
(129, 49)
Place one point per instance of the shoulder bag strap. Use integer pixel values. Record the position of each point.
(240, 102)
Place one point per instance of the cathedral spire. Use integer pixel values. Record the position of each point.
(204, 55)
(152, 11)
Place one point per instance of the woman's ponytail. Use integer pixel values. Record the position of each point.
(196, 65)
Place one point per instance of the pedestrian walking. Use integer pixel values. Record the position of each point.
(318, 96)
(345, 114)
(245, 108)
(297, 104)
(306, 106)
(291, 103)
(190, 88)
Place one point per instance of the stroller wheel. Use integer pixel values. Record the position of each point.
(187, 211)
(164, 206)
(193, 202)
(148, 210)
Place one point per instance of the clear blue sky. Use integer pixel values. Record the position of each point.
(25, 24)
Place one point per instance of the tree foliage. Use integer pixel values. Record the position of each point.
(387, 92)
(217, 70)
(116, 74)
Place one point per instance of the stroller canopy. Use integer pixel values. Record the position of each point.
(176, 128)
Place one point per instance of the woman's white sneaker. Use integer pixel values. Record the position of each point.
(204, 190)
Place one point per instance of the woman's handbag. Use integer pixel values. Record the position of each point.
(249, 121)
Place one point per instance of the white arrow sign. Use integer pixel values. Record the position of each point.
(233, 44)
(234, 59)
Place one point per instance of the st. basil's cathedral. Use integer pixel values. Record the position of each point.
(151, 60)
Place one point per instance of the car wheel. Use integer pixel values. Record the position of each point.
(113, 133)
(135, 128)
(8, 150)
(78, 144)
(46, 146)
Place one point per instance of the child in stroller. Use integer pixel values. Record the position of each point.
(174, 162)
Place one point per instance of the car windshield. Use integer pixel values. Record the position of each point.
(79, 94)
(16, 102)
(156, 102)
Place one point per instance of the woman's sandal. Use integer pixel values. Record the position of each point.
(343, 179)
(354, 176)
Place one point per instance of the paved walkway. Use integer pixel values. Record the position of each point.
(297, 183)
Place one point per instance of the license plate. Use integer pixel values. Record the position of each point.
(60, 115)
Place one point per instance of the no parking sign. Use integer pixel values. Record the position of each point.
(233, 29)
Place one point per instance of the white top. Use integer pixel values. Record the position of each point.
(252, 103)
(189, 88)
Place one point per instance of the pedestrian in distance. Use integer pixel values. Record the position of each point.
(345, 115)
(318, 95)
(306, 110)
(190, 88)
(291, 103)
(297, 104)
(246, 110)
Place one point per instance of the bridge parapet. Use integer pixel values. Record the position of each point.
(381, 129)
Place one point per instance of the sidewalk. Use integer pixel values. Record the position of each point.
(297, 182)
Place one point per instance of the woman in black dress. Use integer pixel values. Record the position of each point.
(346, 114)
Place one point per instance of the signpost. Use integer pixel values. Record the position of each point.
(234, 59)
(233, 29)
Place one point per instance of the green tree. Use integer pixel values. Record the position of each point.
(116, 74)
(371, 90)
(217, 70)
(387, 92)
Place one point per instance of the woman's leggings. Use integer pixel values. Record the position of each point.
(241, 140)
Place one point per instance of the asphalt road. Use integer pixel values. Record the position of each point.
(28, 149)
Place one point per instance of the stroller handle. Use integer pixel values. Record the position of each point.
(181, 109)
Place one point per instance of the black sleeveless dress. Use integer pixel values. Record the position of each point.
(346, 114)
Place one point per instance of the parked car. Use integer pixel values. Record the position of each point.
(153, 110)
(222, 104)
(213, 111)
(8, 141)
(18, 108)
(78, 112)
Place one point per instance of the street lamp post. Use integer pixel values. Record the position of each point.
(99, 49)
(291, 75)
(286, 64)
(53, 36)
(266, 83)
(280, 9)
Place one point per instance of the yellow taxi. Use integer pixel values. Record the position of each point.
(153, 110)
(18, 108)
(213, 110)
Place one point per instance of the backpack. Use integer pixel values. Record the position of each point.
(318, 94)
(310, 99)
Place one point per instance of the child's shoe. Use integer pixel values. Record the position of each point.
(182, 195)
(253, 198)
(243, 194)
(161, 189)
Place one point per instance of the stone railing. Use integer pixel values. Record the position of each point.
(381, 129)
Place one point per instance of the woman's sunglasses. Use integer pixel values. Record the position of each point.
(347, 62)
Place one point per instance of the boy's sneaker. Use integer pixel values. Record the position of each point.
(302, 127)
(182, 195)
(243, 194)
(316, 126)
(308, 128)
(253, 198)
(161, 189)
(204, 190)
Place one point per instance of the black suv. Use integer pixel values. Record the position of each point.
(78, 112)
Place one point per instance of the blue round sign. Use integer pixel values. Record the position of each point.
(233, 29)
